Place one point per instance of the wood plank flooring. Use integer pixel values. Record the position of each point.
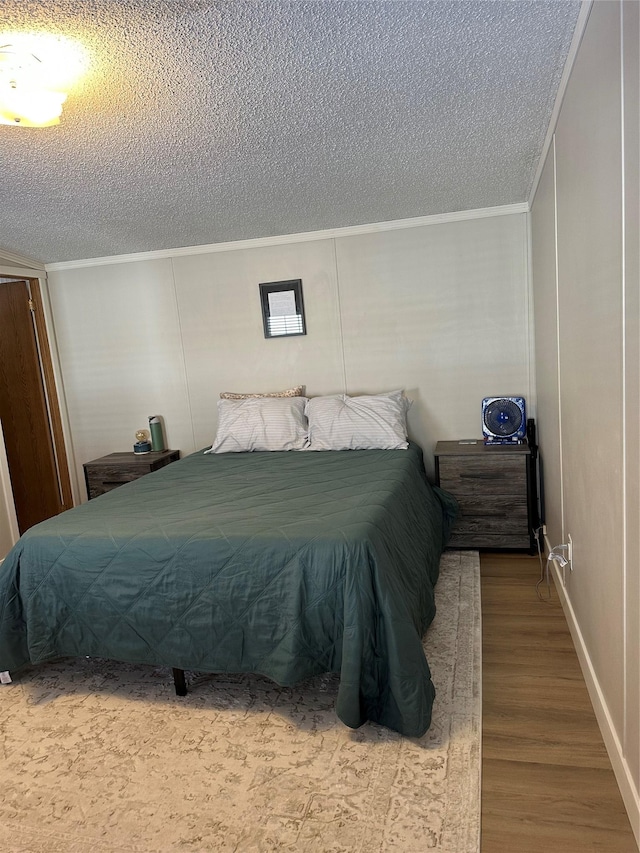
(547, 782)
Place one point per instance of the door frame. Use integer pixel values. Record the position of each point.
(36, 280)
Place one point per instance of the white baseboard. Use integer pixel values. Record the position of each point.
(630, 794)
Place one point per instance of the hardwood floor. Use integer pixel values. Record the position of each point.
(547, 782)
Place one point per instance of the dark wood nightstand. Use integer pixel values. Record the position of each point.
(492, 486)
(109, 472)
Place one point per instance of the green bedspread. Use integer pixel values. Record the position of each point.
(284, 564)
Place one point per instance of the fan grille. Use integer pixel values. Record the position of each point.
(503, 418)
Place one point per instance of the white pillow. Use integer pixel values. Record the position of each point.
(261, 423)
(367, 422)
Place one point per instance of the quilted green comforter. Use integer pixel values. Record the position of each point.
(284, 564)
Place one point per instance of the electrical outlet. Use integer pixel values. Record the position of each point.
(570, 552)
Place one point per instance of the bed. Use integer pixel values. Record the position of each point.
(280, 563)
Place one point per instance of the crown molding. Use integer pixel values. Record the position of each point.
(20, 272)
(302, 237)
(29, 263)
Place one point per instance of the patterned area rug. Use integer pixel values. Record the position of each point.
(98, 757)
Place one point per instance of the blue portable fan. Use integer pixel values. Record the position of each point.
(504, 420)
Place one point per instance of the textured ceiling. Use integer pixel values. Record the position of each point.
(205, 122)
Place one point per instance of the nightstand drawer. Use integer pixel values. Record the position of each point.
(101, 480)
(490, 541)
(492, 506)
(490, 523)
(487, 475)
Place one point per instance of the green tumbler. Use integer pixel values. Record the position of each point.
(155, 428)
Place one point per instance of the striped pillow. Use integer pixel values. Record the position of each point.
(367, 422)
(261, 423)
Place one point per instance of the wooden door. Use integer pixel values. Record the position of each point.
(24, 412)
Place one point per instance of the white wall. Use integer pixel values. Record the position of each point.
(585, 281)
(442, 313)
(8, 522)
(631, 129)
(545, 294)
(440, 310)
(120, 350)
(221, 321)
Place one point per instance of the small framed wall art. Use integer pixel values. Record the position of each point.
(282, 308)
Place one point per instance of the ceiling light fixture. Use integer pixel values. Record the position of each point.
(25, 99)
(36, 72)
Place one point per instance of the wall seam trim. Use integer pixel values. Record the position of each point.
(530, 318)
(559, 372)
(339, 307)
(184, 358)
(623, 298)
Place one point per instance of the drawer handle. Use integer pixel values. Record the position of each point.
(499, 475)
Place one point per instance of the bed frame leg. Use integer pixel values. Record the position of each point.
(180, 683)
